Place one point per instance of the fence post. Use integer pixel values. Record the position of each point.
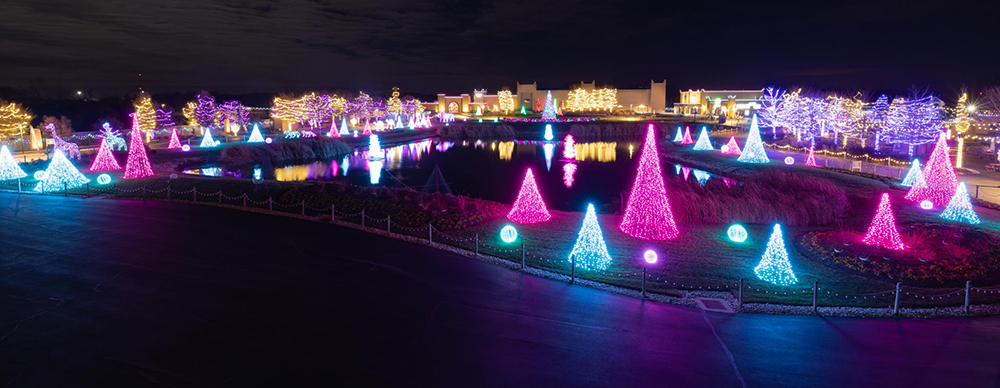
(66, 189)
(333, 211)
(895, 305)
(643, 282)
(477, 244)
(303, 208)
(968, 286)
(88, 189)
(244, 200)
(522, 256)
(270, 203)
(430, 233)
(388, 223)
(977, 191)
(220, 195)
(19, 185)
(815, 295)
(168, 190)
(195, 191)
(362, 218)
(572, 269)
(739, 307)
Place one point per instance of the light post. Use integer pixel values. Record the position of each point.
(650, 258)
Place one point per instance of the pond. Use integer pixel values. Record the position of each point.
(569, 175)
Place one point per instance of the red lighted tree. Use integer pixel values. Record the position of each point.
(529, 208)
(883, 230)
(939, 177)
(648, 214)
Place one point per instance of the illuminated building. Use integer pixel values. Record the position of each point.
(719, 102)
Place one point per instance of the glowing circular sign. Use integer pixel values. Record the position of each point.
(725, 148)
(737, 233)
(103, 179)
(789, 161)
(926, 204)
(185, 148)
(39, 175)
(268, 140)
(508, 234)
(650, 256)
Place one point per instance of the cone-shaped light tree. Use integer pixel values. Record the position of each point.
(648, 214)
(939, 176)
(913, 175)
(590, 252)
(960, 207)
(61, 174)
(529, 208)
(548, 133)
(174, 141)
(9, 169)
(207, 141)
(679, 137)
(368, 128)
(704, 143)
(731, 148)
(774, 266)
(343, 127)
(105, 160)
(811, 159)
(882, 231)
(687, 136)
(753, 150)
(256, 137)
(549, 112)
(137, 165)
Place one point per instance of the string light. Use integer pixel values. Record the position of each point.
(883, 231)
(569, 147)
(811, 159)
(549, 112)
(165, 118)
(205, 109)
(731, 148)
(61, 174)
(914, 175)
(569, 169)
(207, 141)
(174, 141)
(590, 252)
(145, 114)
(647, 214)
(679, 137)
(104, 161)
(687, 136)
(9, 169)
(774, 266)
(703, 144)
(597, 99)
(505, 100)
(939, 176)
(960, 207)
(188, 112)
(529, 208)
(137, 165)
(14, 119)
(753, 151)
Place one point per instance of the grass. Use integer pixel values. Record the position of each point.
(284, 151)
(608, 131)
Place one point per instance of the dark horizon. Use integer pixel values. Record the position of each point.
(453, 47)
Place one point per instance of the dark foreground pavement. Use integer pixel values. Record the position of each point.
(108, 293)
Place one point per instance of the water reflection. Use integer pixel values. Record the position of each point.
(549, 150)
(569, 147)
(599, 151)
(569, 169)
(374, 171)
(506, 150)
(701, 176)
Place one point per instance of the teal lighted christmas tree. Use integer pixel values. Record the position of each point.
(960, 207)
(8, 166)
(590, 251)
(60, 175)
(774, 266)
(914, 175)
(753, 150)
(703, 144)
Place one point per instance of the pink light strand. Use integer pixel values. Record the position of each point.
(648, 215)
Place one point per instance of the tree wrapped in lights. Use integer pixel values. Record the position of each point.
(770, 107)
(703, 144)
(960, 207)
(687, 136)
(234, 112)
(882, 231)
(165, 118)
(753, 150)
(549, 112)
(590, 252)
(774, 266)
(648, 215)
(505, 100)
(394, 105)
(188, 112)
(9, 169)
(811, 159)
(913, 122)
(62, 175)
(878, 117)
(14, 119)
(939, 176)
(679, 137)
(137, 165)
(529, 208)
(174, 141)
(205, 109)
(731, 148)
(914, 175)
(105, 160)
(145, 114)
(961, 123)
(255, 136)
(605, 99)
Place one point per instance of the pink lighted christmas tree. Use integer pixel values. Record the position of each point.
(939, 177)
(687, 136)
(648, 214)
(811, 159)
(104, 161)
(732, 148)
(137, 165)
(174, 141)
(529, 207)
(368, 128)
(883, 232)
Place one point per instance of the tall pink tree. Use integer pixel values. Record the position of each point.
(648, 214)
(174, 141)
(687, 136)
(137, 165)
(529, 208)
(105, 160)
(940, 181)
(882, 231)
(732, 148)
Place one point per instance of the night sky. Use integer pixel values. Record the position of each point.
(453, 46)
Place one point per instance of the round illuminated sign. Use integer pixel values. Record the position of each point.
(789, 161)
(103, 179)
(39, 175)
(268, 140)
(508, 234)
(725, 148)
(737, 233)
(173, 176)
(650, 256)
(926, 204)
(185, 148)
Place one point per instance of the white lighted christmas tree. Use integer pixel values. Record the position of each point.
(679, 137)
(774, 266)
(914, 175)
(960, 207)
(753, 150)
(590, 251)
(255, 136)
(8, 166)
(60, 175)
(549, 112)
(703, 144)
(207, 140)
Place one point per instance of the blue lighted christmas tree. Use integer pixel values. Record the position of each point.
(774, 267)
(679, 137)
(703, 144)
(255, 136)
(914, 175)
(207, 141)
(753, 150)
(8, 166)
(549, 112)
(590, 251)
(960, 207)
(548, 133)
(60, 175)
(343, 128)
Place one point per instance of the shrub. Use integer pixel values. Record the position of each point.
(608, 131)
(284, 151)
(477, 131)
